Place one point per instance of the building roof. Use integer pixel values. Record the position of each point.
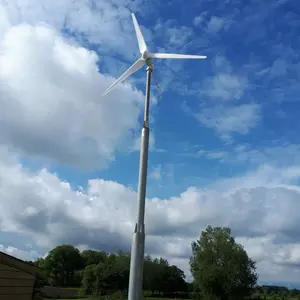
(19, 264)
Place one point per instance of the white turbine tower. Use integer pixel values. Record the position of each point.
(138, 239)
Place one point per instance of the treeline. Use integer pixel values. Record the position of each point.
(275, 292)
(221, 269)
(101, 273)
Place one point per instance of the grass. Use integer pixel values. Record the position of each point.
(149, 298)
(104, 298)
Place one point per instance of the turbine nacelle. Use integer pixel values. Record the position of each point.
(147, 56)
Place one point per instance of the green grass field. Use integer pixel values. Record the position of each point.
(104, 298)
(147, 298)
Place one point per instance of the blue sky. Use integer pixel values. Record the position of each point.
(224, 131)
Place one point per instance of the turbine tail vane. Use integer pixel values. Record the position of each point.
(135, 67)
(156, 83)
(139, 35)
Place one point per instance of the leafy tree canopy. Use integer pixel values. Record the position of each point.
(221, 267)
(98, 272)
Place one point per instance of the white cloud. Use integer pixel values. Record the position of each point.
(221, 64)
(177, 36)
(156, 173)
(215, 24)
(279, 68)
(162, 175)
(199, 20)
(99, 22)
(225, 87)
(260, 206)
(228, 120)
(278, 154)
(19, 253)
(211, 154)
(227, 84)
(176, 39)
(211, 24)
(51, 94)
(172, 34)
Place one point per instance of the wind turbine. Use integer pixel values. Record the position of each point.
(138, 239)
(147, 56)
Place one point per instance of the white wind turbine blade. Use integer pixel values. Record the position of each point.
(176, 56)
(139, 36)
(135, 67)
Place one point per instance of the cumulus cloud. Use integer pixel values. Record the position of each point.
(86, 21)
(19, 253)
(261, 206)
(51, 94)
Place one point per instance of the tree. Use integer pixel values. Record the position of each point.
(40, 262)
(102, 273)
(221, 268)
(160, 277)
(109, 275)
(92, 257)
(121, 269)
(88, 279)
(174, 280)
(61, 265)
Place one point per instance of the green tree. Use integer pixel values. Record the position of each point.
(108, 276)
(88, 279)
(40, 262)
(221, 268)
(93, 257)
(121, 271)
(294, 293)
(101, 273)
(174, 280)
(150, 275)
(61, 265)
(161, 278)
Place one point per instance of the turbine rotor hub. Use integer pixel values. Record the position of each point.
(145, 55)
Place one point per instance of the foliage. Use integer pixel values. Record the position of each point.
(101, 273)
(112, 276)
(62, 265)
(106, 275)
(92, 257)
(39, 283)
(221, 268)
